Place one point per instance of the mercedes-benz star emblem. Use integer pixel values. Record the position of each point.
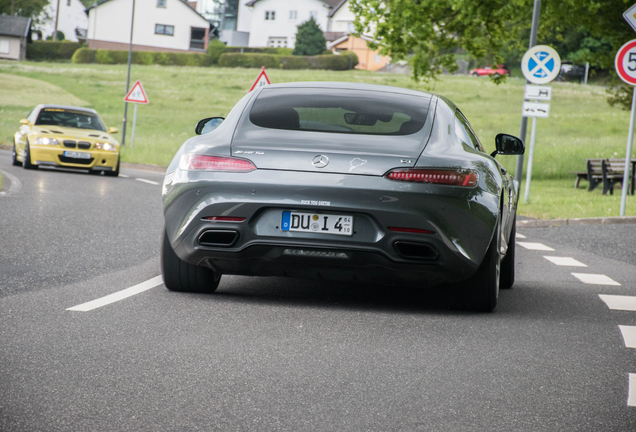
(320, 161)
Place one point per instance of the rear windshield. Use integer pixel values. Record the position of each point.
(340, 111)
(69, 118)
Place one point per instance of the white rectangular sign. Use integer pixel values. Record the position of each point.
(537, 92)
(630, 16)
(535, 109)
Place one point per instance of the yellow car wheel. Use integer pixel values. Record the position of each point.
(14, 156)
(27, 158)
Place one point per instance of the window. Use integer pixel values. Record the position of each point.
(68, 2)
(69, 118)
(197, 38)
(340, 111)
(162, 29)
(293, 15)
(465, 132)
(161, 3)
(313, 14)
(270, 15)
(277, 42)
(5, 45)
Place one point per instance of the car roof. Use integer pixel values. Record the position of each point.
(92, 111)
(349, 86)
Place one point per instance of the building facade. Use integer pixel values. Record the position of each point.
(14, 33)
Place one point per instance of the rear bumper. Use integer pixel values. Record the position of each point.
(462, 223)
(100, 160)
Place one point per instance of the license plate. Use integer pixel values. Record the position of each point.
(317, 223)
(77, 155)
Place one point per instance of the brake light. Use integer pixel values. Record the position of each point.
(411, 230)
(215, 163)
(224, 219)
(435, 176)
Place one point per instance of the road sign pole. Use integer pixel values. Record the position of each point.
(132, 25)
(526, 197)
(132, 139)
(536, 12)
(628, 156)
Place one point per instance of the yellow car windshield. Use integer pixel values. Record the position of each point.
(69, 118)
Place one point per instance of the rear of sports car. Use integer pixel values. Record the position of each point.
(344, 183)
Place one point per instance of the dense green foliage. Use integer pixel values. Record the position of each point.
(329, 62)
(85, 55)
(215, 49)
(52, 50)
(310, 40)
(266, 50)
(23, 8)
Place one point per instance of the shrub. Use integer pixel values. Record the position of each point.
(85, 55)
(215, 49)
(52, 50)
(249, 60)
(330, 62)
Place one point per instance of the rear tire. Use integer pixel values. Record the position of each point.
(482, 289)
(27, 158)
(14, 156)
(178, 275)
(508, 263)
(475, 74)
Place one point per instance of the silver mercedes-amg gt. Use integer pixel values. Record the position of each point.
(341, 181)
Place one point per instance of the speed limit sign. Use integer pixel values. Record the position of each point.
(625, 62)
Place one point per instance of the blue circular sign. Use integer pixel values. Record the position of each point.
(541, 64)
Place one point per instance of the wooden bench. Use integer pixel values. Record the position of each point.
(607, 172)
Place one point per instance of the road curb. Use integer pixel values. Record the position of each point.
(550, 223)
(14, 184)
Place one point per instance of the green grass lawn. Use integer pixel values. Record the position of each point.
(581, 124)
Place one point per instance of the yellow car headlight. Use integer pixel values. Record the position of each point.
(46, 141)
(106, 146)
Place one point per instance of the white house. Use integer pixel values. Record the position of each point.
(341, 18)
(70, 16)
(274, 23)
(159, 25)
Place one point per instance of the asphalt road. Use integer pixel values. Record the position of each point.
(292, 355)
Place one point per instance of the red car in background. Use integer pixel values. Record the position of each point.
(489, 70)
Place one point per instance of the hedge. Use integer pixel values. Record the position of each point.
(52, 50)
(344, 61)
(85, 55)
(268, 50)
(215, 49)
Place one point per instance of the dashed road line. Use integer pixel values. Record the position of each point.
(619, 302)
(148, 181)
(123, 175)
(631, 397)
(629, 335)
(120, 295)
(535, 246)
(565, 261)
(595, 279)
(521, 236)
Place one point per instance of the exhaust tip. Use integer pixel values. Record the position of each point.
(418, 251)
(223, 238)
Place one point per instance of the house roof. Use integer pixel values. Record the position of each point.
(330, 3)
(345, 37)
(335, 8)
(180, 1)
(14, 26)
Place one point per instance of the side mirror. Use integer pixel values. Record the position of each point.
(508, 145)
(25, 122)
(208, 125)
(113, 130)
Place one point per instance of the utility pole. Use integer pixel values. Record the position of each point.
(132, 24)
(57, 14)
(524, 120)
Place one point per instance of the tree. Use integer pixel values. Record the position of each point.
(431, 30)
(310, 40)
(23, 8)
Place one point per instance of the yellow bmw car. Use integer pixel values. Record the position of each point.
(66, 136)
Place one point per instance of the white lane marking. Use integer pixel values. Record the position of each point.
(123, 175)
(120, 295)
(631, 397)
(565, 261)
(618, 302)
(629, 335)
(595, 279)
(535, 246)
(148, 181)
(520, 236)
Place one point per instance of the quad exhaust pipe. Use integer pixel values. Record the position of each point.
(416, 251)
(222, 238)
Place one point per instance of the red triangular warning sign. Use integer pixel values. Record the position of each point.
(137, 94)
(261, 80)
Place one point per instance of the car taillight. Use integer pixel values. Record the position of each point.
(215, 163)
(435, 176)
